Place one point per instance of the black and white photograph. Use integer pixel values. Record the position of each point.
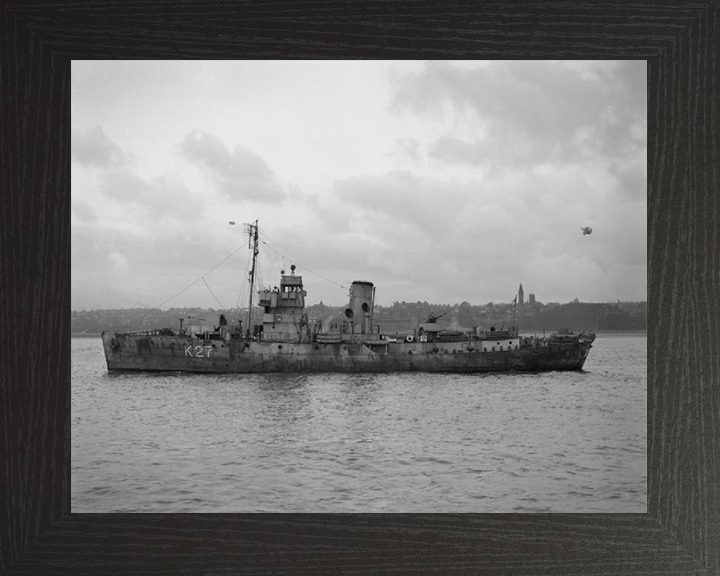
(359, 286)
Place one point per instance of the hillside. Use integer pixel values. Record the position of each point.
(601, 317)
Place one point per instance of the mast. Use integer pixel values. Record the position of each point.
(252, 230)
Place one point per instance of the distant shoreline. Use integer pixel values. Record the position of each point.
(622, 333)
(598, 333)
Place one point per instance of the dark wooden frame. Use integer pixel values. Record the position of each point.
(681, 531)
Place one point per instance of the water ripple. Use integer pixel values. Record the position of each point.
(554, 442)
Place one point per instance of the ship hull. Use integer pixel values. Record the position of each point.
(133, 352)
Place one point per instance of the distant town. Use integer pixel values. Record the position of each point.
(528, 316)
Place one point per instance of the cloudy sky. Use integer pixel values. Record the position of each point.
(438, 181)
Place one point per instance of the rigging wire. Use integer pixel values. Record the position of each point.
(268, 242)
(242, 292)
(279, 261)
(294, 260)
(213, 293)
(258, 272)
(159, 306)
(201, 277)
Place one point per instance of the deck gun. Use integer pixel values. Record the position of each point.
(432, 318)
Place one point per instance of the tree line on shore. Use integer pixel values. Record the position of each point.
(615, 316)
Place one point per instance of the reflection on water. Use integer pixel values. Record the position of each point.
(170, 442)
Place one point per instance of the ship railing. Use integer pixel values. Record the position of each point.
(156, 332)
(332, 338)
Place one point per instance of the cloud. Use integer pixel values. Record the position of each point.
(150, 265)
(82, 210)
(477, 178)
(165, 195)
(240, 174)
(419, 201)
(157, 230)
(524, 113)
(452, 150)
(631, 180)
(409, 147)
(416, 232)
(472, 239)
(156, 197)
(92, 148)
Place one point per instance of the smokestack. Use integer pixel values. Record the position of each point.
(359, 310)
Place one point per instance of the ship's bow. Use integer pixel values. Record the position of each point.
(111, 347)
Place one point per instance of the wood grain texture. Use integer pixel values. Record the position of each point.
(681, 532)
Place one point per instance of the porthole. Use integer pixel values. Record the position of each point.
(484, 348)
(279, 346)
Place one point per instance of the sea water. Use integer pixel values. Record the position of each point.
(408, 442)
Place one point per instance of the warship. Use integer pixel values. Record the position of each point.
(286, 340)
